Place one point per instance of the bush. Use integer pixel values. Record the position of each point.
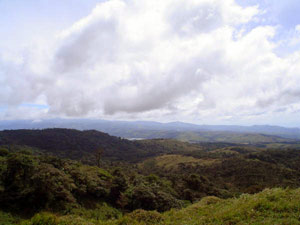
(210, 200)
(150, 197)
(141, 216)
(42, 219)
(3, 151)
(101, 212)
(7, 218)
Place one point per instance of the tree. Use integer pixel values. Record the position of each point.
(98, 155)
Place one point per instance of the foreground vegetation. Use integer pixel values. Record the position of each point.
(271, 206)
(61, 176)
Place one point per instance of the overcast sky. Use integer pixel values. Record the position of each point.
(200, 61)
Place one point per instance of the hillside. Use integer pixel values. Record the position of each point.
(226, 169)
(271, 206)
(56, 170)
(83, 145)
(74, 144)
(229, 137)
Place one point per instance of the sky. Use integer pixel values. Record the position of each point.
(200, 61)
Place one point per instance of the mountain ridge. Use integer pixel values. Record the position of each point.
(132, 129)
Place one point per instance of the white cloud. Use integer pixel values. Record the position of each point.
(166, 59)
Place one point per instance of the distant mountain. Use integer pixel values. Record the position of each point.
(149, 129)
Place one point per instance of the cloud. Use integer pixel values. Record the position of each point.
(159, 59)
(133, 52)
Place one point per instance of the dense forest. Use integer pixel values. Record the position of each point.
(65, 176)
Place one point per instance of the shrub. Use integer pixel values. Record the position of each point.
(101, 212)
(143, 217)
(43, 218)
(7, 218)
(210, 200)
(3, 151)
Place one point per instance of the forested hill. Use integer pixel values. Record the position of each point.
(83, 145)
(159, 174)
(72, 143)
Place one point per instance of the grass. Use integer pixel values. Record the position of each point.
(276, 206)
(7, 218)
(272, 206)
(172, 161)
(173, 144)
(269, 207)
(230, 137)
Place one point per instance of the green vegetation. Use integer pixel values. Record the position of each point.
(229, 137)
(85, 145)
(63, 186)
(72, 144)
(155, 181)
(275, 206)
(271, 206)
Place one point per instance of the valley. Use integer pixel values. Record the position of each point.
(101, 179)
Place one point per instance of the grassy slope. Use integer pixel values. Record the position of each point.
(166, 144)
(271, 206)
(231, 137)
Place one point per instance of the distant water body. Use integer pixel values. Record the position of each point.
(135, 139)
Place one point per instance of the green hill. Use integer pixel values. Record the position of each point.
(133, 178)
(229, 137)
(269, 207)
(74, 144)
